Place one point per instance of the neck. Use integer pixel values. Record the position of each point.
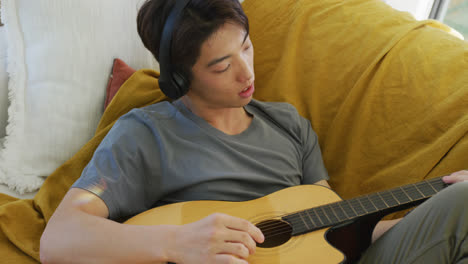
(384, 202)
(230, 120)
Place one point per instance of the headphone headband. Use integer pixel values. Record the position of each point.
(173, 84)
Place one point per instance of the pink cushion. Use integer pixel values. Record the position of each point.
(120, 73)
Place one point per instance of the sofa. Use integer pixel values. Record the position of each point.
(387, 95)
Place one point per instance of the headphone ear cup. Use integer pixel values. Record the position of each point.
(175, 87)
(181, 83)
(167, 88)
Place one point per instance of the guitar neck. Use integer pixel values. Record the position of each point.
(344, 211)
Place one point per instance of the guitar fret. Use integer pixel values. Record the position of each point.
(440, 184)
(411, 193)
(321, 217)
(372, 202)
(339, 212)
(329, 216)
(325, 213)
(377, 201)
(310, 218)
(432, 187)
(317, 216)
(409, 198)
(303, 220)
(394, 197)
(380, 196)
(417, 189)
(370, 207)
(343, 210)
(389, 199)
(349, 209)
(333, 211)
(400, 195)
(357, 207)
(359, 200)
(426, 189)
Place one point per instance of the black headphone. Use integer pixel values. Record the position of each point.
(173, 83)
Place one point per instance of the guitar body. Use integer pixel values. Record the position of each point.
(306, 248)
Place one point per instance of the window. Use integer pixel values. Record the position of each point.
(456, 16)
(420, 9)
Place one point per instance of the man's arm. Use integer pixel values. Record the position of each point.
(323, 183)
(79, 232)
(382, 227)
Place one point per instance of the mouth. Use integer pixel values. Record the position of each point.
(248, 91)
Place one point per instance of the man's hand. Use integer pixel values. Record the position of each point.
(218, 238)
(459, 176)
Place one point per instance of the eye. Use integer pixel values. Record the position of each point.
(248, 47)
(229, 65)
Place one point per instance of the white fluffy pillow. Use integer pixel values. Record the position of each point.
(3, 86)
(61, 54)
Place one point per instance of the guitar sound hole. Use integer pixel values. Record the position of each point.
(276, 233)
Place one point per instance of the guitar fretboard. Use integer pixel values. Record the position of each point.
(340, 212)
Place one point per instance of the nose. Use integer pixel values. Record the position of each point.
(245, 73)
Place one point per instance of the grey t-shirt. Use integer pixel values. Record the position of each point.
(164, 153)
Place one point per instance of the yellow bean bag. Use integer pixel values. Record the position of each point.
(387, 95)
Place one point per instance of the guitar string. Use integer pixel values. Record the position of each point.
(287, 230)
(301, 223)
(355, 200)
(335, 206)
(275, 231)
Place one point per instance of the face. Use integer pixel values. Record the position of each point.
(224, 70)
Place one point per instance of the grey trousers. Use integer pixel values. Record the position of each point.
(434, 232)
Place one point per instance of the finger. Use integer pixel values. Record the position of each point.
(227, 258)
(246, 226)
(458, 176)
(241, 237)
(462, 172)
(236, 249)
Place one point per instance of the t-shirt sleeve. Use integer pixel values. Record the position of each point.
(313, 168)
(121, 167)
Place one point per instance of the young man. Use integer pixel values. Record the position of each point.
(213, 143)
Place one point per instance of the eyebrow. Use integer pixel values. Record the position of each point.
(215, 61)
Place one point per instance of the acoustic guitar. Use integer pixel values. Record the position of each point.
(303, 224)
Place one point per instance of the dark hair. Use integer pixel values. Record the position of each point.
(199, 20)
